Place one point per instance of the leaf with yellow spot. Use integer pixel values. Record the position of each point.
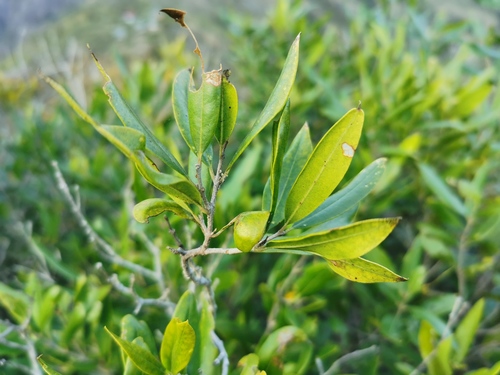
(364, 271)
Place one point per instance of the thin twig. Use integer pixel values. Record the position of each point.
(223, 356)
(459, 308)
(173, 233)
(140, 302)
(156, 253)
(105, 249)
(350, 357)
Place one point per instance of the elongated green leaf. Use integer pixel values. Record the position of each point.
(364, 271)
(15, 302)
(46, 367)
(466, 330)
(180, 105)
(132, 328)
(177, 345)
(276, 342)
(351, 241)
(127, 140)
(177, 188)
(249, 363)
(326, 166)
(204, 107)
(281, 130)
(141, 357)
(426, 338)
(346, 198)
(129, 367)
(341, 220)
(156, 206)
(229, 111)
(276, 101)
(293, 162)
(442, 191)
(130, 119)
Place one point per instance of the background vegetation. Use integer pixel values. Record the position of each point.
(428, 82)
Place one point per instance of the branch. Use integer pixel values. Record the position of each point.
(162, 301)
(223, 356)
(105, 249)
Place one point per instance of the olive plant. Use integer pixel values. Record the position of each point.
(299, 213)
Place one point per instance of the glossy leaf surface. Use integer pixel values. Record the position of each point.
(363, 271)
(326, 166)
(281, 129)
(229, 111)
(347, 242)
(204, 107)
(141, 357)
(177, 345)
(156, 206)
(346, 198)
(276, 101)
(130, 119)
(180, 105)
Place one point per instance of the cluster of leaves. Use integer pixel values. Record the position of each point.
(422, 105)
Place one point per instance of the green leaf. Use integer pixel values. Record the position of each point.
(204, 339)
(277, 341)
(177, 345)
(442, 191)
(45, 367)
(229, 111)
(351, 241)
(426, 338)
(204, 107)
(281, 130)
(250, 364)
(129, 367)
(180, 105)
(141, 357)
(177, 187)
(74, 323)
(127, 140)
(364, 271)
(293, 162)
(347, 198)
(15, 302)
(129, 118)
(156, 206)
(276, 101)
(341, 220)
(249, 228)
(326, 166)
(466, 330)
(131, 328)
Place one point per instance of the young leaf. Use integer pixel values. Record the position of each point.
(346, 198)
(326, 166)
(130, 119)
(141, 357)
(156, 206)
(364, 271)
(45, 367)
(281, 130)
(129, 367)
(229, 111)
(131, 328)
(249, 229)
(351, 241)
(177, 345)
(293, 162)
(276, 101)
(180, 105)
(178, 188)
(466, 330)
(204, 107)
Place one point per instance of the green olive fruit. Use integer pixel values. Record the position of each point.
(249, 229)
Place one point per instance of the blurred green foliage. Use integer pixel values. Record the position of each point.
(429, 88)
